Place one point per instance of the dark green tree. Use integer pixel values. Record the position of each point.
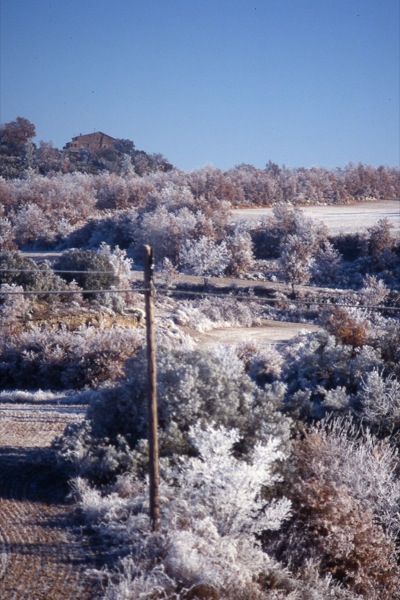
(90, 270)
(16, 147)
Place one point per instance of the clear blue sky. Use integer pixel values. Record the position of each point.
(221, 82)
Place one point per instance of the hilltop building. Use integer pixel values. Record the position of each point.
(90, 141)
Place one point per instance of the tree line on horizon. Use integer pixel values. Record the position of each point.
(241, 185)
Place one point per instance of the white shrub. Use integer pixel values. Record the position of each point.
(204, 257)
(380, 400)
(208, 518)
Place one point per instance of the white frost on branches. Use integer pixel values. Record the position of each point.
(228, 489)
(210, 510)
(204, 257)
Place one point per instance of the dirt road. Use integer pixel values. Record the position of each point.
(43, 556)
(273, 333)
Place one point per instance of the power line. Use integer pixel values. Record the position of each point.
(278, 300)
(38, 271)
(203, 294)
(174, 291)
(62, 292)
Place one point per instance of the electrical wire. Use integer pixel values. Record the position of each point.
(67, 292)
(306, 303)
(203, 294)
(37, 271)
(173, 291)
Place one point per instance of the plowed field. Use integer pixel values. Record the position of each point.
(43, 555)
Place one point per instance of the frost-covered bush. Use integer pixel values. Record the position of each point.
(13, 303)
(374, 291)
(211, 312)
(389, 345)
(91, 270)
(61, 359)
(50, 207)
(204, 257)
(211, 506)
(45, 397)
(7, 234)
(121, 264)
(327, 266)
(194, 387)
(379, 397)
(17, 269)
(210, 510)
(188, 314)
(170, 336)
(240, 248)
(317, 363)
(118, 228)
(349, 326)
(345, 496)
(263, 363)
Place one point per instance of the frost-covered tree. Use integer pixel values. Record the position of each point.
(240, 248)
(210, 511)
(166, 231)
(91, 270)
(345, 496)
(380, 243)
(295, 261)
(317, 363)
(327, 265)
(121, 264)
(379, 397)
(49, 160)
(16, 147)
(374, 291)
(168, 273)
(194, 387)
(111, 191)
(32, 225)
(204, 257)
(7, 235)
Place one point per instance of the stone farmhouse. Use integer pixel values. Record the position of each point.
(90, 141)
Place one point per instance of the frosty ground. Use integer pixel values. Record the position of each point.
(339, 219)
(42, 554)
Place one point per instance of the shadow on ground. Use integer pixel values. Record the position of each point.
(32, 474)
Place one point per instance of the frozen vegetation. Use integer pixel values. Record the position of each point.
(278, 464)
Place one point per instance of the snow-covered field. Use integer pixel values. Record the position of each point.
(339, 219)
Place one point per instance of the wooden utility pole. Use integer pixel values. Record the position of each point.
(152, 389)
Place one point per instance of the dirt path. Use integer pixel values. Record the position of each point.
(270, 333)
(42, 554)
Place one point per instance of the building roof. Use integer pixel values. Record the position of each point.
(93, 141)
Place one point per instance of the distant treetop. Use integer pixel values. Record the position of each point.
(87, 153)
